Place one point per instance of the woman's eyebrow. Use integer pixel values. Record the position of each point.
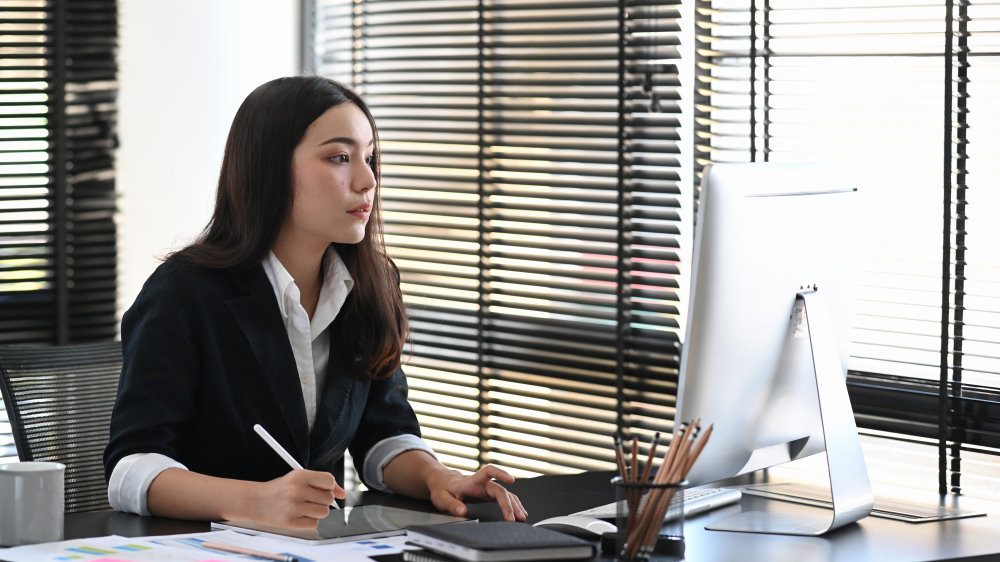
(344, 140)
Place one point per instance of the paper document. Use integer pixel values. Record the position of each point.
(189, 548)
(109, 549)
(355, 551)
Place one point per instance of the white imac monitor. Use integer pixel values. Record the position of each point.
(765, 351)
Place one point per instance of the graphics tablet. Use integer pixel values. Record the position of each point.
(348, 524)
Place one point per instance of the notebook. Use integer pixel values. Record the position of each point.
(499, 541)
(347, 524)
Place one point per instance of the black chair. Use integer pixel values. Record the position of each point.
(59, 401)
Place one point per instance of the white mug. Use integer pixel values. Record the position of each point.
(31, 502)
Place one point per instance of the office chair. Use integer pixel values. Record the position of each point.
(59, 401)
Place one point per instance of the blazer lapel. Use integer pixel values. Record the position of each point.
(258, 316)
(335, 414)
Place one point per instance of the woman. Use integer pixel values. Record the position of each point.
(286, 312)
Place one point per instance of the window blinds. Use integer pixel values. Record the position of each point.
(530, 187)
(57, 136)
(57, 203)
(908, 92)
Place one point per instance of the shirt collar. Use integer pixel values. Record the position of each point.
(337, 284)
(281, 281)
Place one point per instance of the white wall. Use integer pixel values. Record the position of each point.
(186, 65)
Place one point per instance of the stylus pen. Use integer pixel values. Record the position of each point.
(250, 552)
(281, 452)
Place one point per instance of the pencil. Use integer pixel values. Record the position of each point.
(634, 468)
(679, 433)
(639, 520)
(249, 552)
(646, 517)
(697, 449)
(620, 458)
(652, 456)
(659, 499)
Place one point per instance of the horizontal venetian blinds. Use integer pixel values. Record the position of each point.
(57, 138)
(57, 202)
(907, 93)
(530, 186)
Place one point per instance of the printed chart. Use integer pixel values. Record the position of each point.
(192, 548)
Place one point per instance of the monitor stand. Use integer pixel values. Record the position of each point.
(850, 488)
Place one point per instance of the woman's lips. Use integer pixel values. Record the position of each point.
(361, 212)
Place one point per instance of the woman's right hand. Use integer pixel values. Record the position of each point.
(297, 500)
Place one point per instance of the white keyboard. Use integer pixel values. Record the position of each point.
(696, 500)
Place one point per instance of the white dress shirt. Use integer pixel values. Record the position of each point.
(131, 477)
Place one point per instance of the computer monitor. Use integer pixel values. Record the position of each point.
(765, 351)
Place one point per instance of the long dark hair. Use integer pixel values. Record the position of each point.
(255, 194)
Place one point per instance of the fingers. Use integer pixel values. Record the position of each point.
(490, 472)
(454, 506)
(321, 481)
(324, 481)
(308, 515)
(482, 484)
(315, 479)
(510, 504)
(315, 496)
(519, 513)
(307, 496)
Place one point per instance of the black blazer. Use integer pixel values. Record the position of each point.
(206, 356)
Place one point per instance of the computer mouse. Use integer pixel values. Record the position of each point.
(581, 526)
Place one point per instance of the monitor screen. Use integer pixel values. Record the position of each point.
(764, 232)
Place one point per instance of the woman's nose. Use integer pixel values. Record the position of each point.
(364, 179)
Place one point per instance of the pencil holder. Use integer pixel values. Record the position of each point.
(650, 520)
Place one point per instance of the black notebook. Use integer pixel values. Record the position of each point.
(499, 541)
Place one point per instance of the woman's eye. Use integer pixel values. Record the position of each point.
(371, 160)
(339, 159)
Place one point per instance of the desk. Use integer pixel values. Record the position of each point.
(883, 540)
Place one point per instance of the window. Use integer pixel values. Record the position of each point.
(57, 201)
(530, 186)
(909, 92)
(536, 203)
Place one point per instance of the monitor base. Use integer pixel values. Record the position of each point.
(777, 522)
(850, 488)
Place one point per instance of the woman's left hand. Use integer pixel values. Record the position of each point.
(448, 489)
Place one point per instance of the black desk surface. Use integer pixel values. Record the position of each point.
(883, 540)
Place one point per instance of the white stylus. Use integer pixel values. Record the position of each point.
(281, 451)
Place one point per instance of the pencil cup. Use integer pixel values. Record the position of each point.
(650, 520)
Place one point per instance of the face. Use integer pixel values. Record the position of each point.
(332, 179)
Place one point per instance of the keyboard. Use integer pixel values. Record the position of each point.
(696, 500)
(886, 508)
